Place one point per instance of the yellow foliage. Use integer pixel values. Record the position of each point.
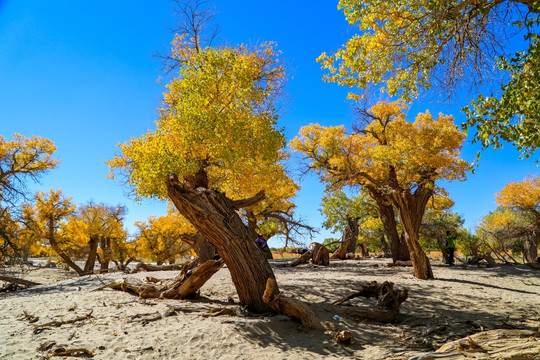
(217, 115)
(524, 195)
(416, 152)
(160, 238)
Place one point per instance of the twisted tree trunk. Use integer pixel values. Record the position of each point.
(215, 217)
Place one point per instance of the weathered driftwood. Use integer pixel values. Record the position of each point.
(39, 328)
(19, 281)
(389, 300)
(190, 280)
(149, 267)
(493, 344)
(62, 350)
(291, 308)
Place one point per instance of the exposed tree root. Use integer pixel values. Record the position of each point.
(291, 308)
(190, 280)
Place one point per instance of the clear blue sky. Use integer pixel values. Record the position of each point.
(82, 73)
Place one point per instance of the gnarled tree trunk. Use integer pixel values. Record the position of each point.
(215, 217)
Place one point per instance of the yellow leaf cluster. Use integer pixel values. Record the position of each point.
(389, 148)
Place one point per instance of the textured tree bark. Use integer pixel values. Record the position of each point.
(349, 240)
(149, 267)
(304, 258)
(215, 217)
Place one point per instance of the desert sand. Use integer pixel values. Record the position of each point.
(116, 325)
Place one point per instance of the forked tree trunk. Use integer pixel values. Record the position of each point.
(215, 217)
(411, 211)
(398, 245)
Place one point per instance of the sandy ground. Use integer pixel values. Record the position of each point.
(459, 302)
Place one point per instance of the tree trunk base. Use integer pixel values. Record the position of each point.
(185, 285)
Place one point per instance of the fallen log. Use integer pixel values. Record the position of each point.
(19, 281)
(190, 280)
(149, 267)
